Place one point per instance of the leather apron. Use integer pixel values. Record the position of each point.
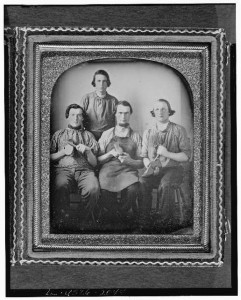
(115, 176)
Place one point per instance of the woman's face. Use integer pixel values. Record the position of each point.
(161, 112)
(101, 83)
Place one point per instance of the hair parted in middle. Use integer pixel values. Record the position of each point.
(171, 111)
(104, 73)
(124, 103)
(77, 106)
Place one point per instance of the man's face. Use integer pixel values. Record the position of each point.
(161, 112)
(123, 115)
(75, 117)
(101, 83)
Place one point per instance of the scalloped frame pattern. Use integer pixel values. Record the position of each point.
(19, 192)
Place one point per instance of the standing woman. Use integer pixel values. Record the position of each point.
(99, 105)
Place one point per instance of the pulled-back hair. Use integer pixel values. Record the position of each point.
(171, 111)
(104, 73)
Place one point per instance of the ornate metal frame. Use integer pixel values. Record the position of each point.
(198, 56)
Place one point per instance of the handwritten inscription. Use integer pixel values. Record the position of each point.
(85, 292)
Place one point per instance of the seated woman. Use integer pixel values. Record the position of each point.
(165, 149)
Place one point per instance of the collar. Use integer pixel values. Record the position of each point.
(122, 131)
(162, 127)
(81, 128)
(101, 97)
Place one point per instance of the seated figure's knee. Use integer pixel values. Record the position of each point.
(144, 182)
(92, 190)
(172, 178)
(134, 188)
(61, 184)
(164, 184)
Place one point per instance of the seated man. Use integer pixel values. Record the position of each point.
(73, 152)
(119, 155)
(164, 150)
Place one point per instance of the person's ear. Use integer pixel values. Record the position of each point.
(152, 113)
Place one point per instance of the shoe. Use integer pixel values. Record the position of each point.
(149, 171)
(118, 148)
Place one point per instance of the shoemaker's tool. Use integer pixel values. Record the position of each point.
(71, 144)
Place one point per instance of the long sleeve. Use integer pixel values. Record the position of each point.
(92, 143)
(144, 149)
(104, 141)
(184, 144)
(84, 102)
(54, 142)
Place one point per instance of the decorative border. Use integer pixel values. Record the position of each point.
(13, 260)
(23, 88)
(21, 146)
(221, 132)
(119, 30)
(39, 243)
(36, 159)
(118, 263)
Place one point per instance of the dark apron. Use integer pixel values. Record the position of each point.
(115, 176)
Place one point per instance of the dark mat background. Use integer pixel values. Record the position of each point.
(133, 280)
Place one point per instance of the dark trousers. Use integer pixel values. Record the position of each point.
(128, 201)
(68, 180)
(167, 183)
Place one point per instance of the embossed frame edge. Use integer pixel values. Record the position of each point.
(21, 224)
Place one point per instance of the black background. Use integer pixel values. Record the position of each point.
(136, 280)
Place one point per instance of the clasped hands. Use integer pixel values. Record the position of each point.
(68, 149)
(124, 157)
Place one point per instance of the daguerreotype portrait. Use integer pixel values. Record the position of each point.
(109, 188)
(118, 145)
